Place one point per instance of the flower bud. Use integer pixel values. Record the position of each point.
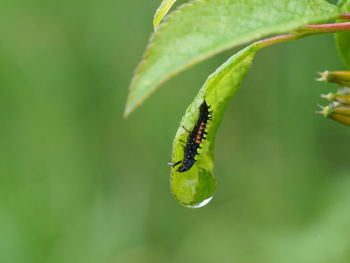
(342, 110)
(341, 119)
(337, 112)
(341, 78)
(343, 99)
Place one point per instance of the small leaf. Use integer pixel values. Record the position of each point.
(343, 39)
(195, 187)
(162, 11)
(202, 28)
(341, 3)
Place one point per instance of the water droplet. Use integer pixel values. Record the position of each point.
(203, 203)
(194, 188)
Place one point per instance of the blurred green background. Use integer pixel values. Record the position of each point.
(78, 183)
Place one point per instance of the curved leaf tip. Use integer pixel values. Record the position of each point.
(196, 186)
(162, 10)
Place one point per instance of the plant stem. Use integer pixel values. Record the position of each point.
(277, 39)
(327, 28)
(345, 16)
(307, 30)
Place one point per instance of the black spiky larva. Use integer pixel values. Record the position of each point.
(194, 139)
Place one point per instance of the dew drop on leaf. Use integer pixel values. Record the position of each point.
(194, 188)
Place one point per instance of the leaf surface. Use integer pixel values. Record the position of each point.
(343, 39)
(195, 187)
(202, 28)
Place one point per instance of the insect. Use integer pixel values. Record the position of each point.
(194, 139)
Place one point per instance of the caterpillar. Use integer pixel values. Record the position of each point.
(195, 137)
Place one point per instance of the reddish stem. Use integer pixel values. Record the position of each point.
(276, 39)
(329, 28)
(345, 16)
(307, 31)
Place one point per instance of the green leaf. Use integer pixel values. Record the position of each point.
(343, 39)
(341, 2)
(195, 187)
(202, 28)
(162, 11)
